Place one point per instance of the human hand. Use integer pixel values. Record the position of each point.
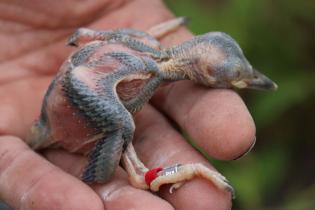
(33, 47)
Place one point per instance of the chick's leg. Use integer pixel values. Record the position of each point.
(164, 28)
(134, 167)
(178, 174)
(84, 35)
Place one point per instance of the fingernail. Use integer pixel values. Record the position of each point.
(248, 150)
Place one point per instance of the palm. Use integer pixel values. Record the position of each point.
(31, 58)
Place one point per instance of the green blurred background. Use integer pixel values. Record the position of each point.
(278, 38)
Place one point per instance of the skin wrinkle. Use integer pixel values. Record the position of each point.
(24, 201)
(167, 93)
(107, 14)
(31, 64)
(11, 155)
(104, 11)
(157, 159)
(38, 47)
(141, 139)
(161, 160)
(11, 27)
(25, 64)
(6, 170)
(112, 193)
(110, 189)
(76, 11)
(128, 193)
(43, 48)
(144, 24)
(186, 119)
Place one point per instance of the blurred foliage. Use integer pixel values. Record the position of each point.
(277, 38)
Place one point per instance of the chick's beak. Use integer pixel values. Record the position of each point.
(261, 82)
(258, 82)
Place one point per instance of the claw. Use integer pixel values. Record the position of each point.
(185, 20)
(73, 39)
(230, 189)
(72, 44)
(81, 36)
(175, 186)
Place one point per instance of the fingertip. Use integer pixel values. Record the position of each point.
(239, 139)
(226, 130)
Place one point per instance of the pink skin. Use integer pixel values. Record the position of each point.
(217, 120)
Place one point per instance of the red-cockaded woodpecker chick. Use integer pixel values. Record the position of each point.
(89, 106)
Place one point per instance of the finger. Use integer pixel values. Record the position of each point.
(159, 145)
(217, 120)
(116, 194)
(27, 181)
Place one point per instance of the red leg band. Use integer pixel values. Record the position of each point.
(151, 175)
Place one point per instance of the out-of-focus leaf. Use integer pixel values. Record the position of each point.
(267, 107)
(301, 200)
